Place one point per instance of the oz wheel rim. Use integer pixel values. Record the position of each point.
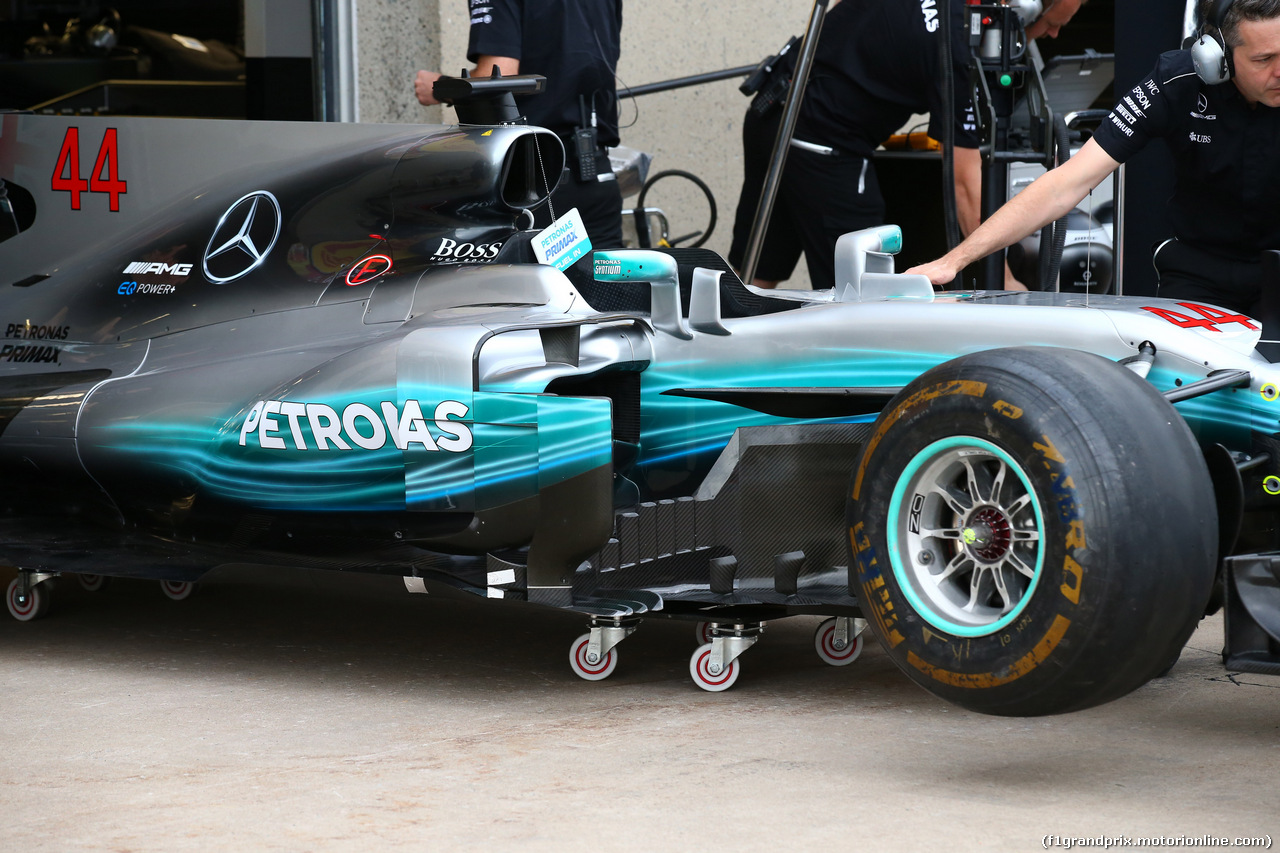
(965, 536)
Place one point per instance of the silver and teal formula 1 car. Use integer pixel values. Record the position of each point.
(332, 346)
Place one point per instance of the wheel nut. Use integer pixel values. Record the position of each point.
(838, 645)
(713, 668)
(925, 558)
(592, 657)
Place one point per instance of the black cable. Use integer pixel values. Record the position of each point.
(950, 212)
(7, 215)
(706, 190)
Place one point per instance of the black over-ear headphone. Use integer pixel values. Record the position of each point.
(1209, 53)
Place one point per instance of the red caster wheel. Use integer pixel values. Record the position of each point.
(824, 642)
(33, 605)
(177, 590)
(583, 668)
(704, 678)
(94, 583)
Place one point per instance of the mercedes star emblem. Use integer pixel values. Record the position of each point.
(243, 238)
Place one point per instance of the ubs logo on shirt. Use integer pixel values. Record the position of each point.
(1202, 138)
(929, 8)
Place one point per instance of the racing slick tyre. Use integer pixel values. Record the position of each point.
(1033, 531)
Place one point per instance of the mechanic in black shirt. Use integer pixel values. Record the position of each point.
(574, 44)
(876, 65)
(1225, 139)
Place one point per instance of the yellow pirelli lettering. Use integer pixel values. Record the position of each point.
(1075, 535)
(954, 388)
(1009, 410)
(1049, 451)
(986, 680)
(1072, 580)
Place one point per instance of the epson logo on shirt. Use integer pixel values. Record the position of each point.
(146, 268)
(929, 8)
(452, 250)
(1142, 98)
(357, 424)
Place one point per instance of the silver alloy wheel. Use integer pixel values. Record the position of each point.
(966, 541)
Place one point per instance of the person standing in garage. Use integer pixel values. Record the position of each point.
(574, 44)
(877, 64)
(1217, 107)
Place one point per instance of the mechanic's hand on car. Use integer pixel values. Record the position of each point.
(422, 84)
(940, 272)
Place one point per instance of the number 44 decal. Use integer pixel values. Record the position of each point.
(1210, 318)
(66, 174)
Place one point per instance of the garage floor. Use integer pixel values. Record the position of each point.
(327, 712)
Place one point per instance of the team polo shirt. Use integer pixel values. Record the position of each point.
(1226, 192)
(573, 43)
(878, 64)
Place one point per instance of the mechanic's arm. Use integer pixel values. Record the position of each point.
(1048, 198)
(424, 80)
(969, 202)
(968, 189)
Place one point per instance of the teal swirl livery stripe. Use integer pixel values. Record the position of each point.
(681, 427)
(374, 452)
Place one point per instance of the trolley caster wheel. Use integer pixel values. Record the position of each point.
(177, 590)
(702, 631)
(33, 605)
(824, 640)
(583, 668)
(94, 583)
(702, 677)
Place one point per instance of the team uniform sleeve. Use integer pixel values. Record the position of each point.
(496, 29)
(1143, 112)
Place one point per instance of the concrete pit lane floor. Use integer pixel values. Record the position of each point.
(318, 711)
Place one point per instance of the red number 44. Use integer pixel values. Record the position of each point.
(1210, 318)
(66, 173)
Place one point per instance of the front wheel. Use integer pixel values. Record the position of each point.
(1033, 531)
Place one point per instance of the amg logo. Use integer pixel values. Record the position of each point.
(452, 250)
(358, 424)
(148, 268)
(21, 353)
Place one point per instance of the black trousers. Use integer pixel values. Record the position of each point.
(1190, 273)
(819, 198)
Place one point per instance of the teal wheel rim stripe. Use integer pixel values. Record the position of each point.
(903, 568)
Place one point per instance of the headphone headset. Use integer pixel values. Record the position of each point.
(1028, 11)
(1210, 54)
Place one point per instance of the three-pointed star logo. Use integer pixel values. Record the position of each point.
(243, 238)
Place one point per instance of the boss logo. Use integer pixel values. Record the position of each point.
(452, 250)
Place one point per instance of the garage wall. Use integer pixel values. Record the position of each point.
(697, 129)
(396, 38)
